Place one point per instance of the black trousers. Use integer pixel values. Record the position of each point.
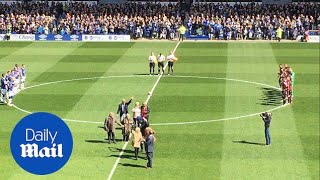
(181, 37)
(170, 64)
(160, 66)
(151, 67)
(136, 152)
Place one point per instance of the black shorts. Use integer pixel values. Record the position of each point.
(151, 65)
(170, 64)
(160, 64)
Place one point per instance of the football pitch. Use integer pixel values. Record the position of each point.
(206, 115)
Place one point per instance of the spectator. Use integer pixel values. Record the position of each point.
(224, 21)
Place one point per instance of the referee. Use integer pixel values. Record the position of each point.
(161, 60)
(170, 62)
(152, 60)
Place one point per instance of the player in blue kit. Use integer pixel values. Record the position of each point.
(8, 75)
(23, 76)
(4, 87)
(11, 87)
(16, 76)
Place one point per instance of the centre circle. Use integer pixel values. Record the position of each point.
(161, 123)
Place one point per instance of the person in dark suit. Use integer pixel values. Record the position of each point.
(267, 117)
(123, 109)
(150, 139)
(143, 124)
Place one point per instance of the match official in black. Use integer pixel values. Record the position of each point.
(267, 117)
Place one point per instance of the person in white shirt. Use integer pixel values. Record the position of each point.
(152, 60)
(170, 59)
(161, 60)
(136, 113)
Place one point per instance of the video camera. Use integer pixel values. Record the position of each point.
(265, 115)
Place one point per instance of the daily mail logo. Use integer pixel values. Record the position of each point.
(33, 150)
(40, 147)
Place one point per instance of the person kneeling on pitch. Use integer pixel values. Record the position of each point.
(267, 117)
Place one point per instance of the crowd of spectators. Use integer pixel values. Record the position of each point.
(153, 20)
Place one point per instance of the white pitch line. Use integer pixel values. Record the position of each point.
(217, 120)
(78, 79)
(157, 124)
(148, 98)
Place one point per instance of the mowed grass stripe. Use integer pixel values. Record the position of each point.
(178, 150)
(8, 115)
(100, 96)
(33, 71)
(63, 104)
(185, 149)
(302, 60)
(238, 156)
(306, 103)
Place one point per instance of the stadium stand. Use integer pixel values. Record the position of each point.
(253, 20)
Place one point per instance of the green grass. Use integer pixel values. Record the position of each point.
(189, 151)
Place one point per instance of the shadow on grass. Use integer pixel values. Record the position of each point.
(132, 165)
(124, 156)
(95, 141)
(247, 142)
(144, 74)
(271, 96)
(114, 149)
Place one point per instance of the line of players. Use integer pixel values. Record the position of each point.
(286, 82)
(153, 60)
(11, 83)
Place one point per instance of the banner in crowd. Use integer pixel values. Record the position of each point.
(2, 37)
(58, 37)
(66, 37)
(105, 38)
(313, 36)
(18, 37)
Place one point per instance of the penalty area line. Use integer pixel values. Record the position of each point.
(148, 98)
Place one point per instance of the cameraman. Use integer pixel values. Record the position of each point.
(267, 117)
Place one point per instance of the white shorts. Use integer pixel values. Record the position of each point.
(23, 78)
(17, 81)
(4, 91)
(10, 93)
(15, 90)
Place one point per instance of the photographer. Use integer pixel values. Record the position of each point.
(267, 117)
(8, 33)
